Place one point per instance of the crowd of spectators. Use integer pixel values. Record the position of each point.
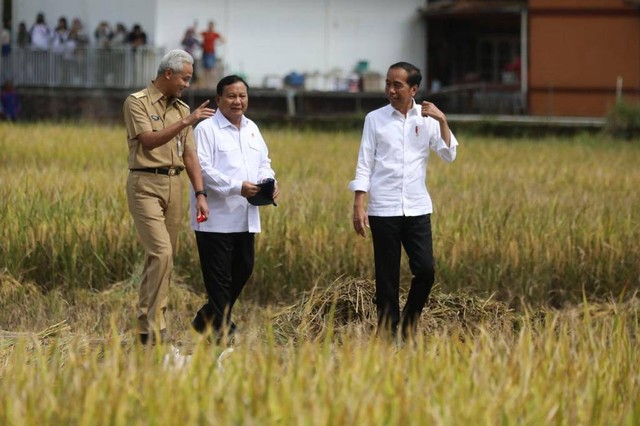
(68, 41)
(65, 38)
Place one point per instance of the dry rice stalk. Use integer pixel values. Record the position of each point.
(9, 339)
(351, 302)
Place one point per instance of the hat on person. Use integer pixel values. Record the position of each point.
(265, 196)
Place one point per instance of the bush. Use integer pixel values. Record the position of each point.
(623, 120)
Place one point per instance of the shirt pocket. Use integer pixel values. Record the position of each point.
(229, 156)
(254, 153)
(255, 145)
(156, 122)
(420, 145)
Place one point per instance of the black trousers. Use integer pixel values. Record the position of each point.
(227, 262)
(389, 234)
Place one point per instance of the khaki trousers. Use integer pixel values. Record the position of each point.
(155, 203)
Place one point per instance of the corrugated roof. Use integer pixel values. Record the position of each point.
(464, 7)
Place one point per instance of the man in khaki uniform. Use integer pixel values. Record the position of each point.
(161, 146)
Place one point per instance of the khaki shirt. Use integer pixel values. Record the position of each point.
(146, 111)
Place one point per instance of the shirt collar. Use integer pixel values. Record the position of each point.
(224, 122)
(412, 110)
(156, 96)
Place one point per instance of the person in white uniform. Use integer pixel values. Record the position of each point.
(234, 159)
(391, 170)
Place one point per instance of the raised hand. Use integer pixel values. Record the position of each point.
(200, 113)
(430, 110)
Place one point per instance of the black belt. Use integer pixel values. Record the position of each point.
(168, 172)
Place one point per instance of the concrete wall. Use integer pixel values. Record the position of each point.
(266, 38)
(105, 105)
(578, 51)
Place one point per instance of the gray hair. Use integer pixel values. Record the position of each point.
(174, 60)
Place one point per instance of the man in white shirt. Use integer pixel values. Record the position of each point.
(234, 159)
(391, 169)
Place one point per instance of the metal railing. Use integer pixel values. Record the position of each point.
(124, 68)
(121, 68)
(480, 98)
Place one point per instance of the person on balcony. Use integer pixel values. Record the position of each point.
(137, 37)
(23, 37)
(60, 35)
(209, 40)
(40, 33)
(5, 38)
(120, 36)
(190, 44)
(78, 34)
(103, 35)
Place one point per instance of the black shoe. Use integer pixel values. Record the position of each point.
(143, 338)
(199, 324)
(150, 338)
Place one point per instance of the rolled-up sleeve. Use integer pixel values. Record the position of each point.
(447, 153)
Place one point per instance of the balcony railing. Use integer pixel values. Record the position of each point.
(120, 68)
(123, 68)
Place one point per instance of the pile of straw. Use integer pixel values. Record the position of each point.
(348, 304)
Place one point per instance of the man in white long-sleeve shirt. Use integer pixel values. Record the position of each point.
(391, 169)
(234, 159)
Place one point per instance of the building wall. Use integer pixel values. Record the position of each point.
(579, 49)
(266, 38)
(582, 5)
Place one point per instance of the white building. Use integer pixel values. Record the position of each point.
(264, 38)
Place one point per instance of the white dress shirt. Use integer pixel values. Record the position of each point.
(40, 34)
(392, 162)
(228, 156)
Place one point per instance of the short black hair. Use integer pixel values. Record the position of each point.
(228, 81)
(414, 77)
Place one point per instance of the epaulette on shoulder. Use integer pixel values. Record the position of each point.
(181, 102)
(140, 94)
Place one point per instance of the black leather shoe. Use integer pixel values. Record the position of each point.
(150, 339)
(199, 324)
(143, 338)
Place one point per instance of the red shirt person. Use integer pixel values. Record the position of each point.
(209, 39)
